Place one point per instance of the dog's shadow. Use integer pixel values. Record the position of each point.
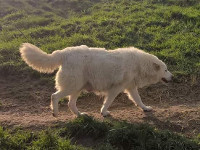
(162, 124)
(152, 120)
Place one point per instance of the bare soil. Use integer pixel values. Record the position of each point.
(24, 102)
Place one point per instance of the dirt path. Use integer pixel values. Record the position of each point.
(25, 103)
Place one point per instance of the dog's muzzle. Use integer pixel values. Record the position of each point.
(167, 80)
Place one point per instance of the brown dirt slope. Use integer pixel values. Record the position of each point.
(25, 103)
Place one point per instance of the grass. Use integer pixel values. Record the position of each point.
(111, 135)
(34, 141)
(167, 28)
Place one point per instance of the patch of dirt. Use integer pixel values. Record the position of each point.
(25, 103)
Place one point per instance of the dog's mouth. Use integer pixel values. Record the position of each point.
(164, 80)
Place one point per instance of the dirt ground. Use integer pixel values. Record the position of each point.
(25, 102)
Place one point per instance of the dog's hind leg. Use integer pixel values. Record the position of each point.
(54, 101)
(72, 103)
(108, 100)
(135, 97)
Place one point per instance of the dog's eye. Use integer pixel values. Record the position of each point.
(166, 70)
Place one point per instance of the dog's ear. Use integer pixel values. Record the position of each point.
(156, 67)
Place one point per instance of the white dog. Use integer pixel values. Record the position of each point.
(96, 69)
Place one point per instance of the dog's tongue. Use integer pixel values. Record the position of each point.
(164, 80)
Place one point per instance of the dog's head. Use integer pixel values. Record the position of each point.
(162, 72)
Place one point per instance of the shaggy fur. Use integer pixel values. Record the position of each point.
(98, 70)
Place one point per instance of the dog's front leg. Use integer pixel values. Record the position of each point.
(135, 97)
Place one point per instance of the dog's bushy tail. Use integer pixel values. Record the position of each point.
(39, 60)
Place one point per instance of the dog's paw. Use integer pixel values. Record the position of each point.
(82, 114)
(104, 114)
(51, 107)
(147, 109)
(55, 114)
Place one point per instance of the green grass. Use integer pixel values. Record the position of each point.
(47, 140)
(110, 135)
(167, 28)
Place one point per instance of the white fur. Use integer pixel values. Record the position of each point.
(96, 69)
